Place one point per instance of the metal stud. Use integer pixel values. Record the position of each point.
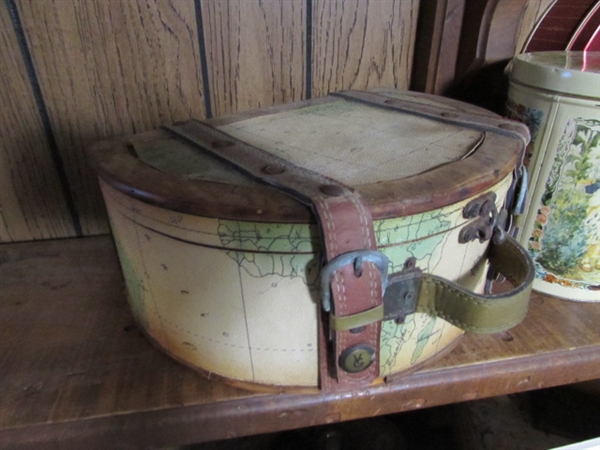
(331, 190)
(357, 358)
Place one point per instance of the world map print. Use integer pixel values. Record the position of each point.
(276, 251)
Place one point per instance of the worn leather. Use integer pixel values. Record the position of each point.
(346, 225)
(477, 312)
(467, 310)
(476, 121)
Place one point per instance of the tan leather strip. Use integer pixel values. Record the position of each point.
(357, 320)
(346, 225)
(483, 313)
(470, 311)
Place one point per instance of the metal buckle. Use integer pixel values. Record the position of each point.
(515, 206)
(402, 295)
(522, 185)
(357, 257)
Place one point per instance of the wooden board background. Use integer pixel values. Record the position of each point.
(73, 72)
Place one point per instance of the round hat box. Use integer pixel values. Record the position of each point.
(223, 272)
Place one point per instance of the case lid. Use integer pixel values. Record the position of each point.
(404, 152)
(575, 73)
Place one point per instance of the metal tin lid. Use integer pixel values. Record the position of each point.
(575, 73)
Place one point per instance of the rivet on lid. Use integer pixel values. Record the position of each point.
(331, 190)
(273, 169)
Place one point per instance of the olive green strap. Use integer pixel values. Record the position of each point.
(477, 312)
(480, 313)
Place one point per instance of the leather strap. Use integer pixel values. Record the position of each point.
(346, 225)
(464, 119)
(477, 312)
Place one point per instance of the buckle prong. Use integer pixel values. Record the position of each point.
(357, 258)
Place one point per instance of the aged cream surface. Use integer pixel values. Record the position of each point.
(239, 299)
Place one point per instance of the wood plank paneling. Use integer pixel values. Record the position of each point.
(109, 68)
(113, 67)
(362, 44)
(255, 51)
(489, 40)
(32, 204)
(437, 45)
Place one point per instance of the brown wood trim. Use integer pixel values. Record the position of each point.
(76, 374)
(116, 164)
(488, 41)
(267, 414)
(489, 34)
(437, 44)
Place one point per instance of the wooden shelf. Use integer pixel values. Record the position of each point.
(76, 372)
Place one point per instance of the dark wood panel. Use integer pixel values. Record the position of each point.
(110, 68)
(457, 39)
(256, 53)
(32, 204)
(362, 44)
(437, 45)
(77, 373)
(492, 32)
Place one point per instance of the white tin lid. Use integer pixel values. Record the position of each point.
(575, 73)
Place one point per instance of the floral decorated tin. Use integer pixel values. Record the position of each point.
(557, 95)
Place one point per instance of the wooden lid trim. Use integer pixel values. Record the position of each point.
(116, 163)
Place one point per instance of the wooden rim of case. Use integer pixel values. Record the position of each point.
(496, 157)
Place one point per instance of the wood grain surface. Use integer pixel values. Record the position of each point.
(103, 69)
(32, 204)
(256, 53)
(77, 373)
(110, 68)
(362, 44)
(437, 45)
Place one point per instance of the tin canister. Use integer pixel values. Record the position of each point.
(557, 94)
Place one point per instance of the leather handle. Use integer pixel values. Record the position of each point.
(478, 312)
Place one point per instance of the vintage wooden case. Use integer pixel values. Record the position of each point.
(224, 271)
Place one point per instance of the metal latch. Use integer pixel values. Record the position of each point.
(400, 291)
(520, 194)
(484, 209)
(356, 258)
